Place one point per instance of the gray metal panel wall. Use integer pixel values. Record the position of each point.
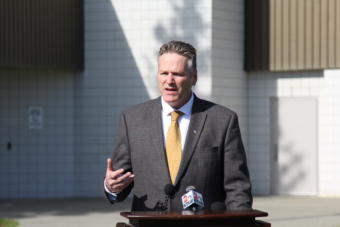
(41, 34)
(303, 35)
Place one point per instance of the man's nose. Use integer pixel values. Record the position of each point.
(170, 79)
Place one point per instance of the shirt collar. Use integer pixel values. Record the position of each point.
(186, 108)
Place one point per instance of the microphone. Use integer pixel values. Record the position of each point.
(217, 206)
(192, 200)
(169, 190)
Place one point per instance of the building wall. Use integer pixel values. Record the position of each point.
(122, 39)
(38, 163)
(41, 34)
(320, 84)
(68, 156)
(304, 35)
(120, 70)
(291, 35)
(229, 81)
(329, 134)
(121, 66)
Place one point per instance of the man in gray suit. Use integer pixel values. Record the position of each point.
(207, 136)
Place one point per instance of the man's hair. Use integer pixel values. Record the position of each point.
(181, 48)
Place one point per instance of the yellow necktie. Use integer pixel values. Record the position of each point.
(173, 146)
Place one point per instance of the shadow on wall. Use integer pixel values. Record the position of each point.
(31, 153)
(110, 83)
(291, 169)
(293, 145)
(288, 175)
(186, 25)
(262, 120)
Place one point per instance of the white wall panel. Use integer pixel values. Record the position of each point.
(322, 85)
(229, 81)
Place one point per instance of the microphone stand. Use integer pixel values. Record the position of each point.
(169, 191)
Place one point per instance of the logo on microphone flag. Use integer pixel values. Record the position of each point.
(187, 199)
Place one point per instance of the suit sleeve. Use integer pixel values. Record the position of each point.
(121, 157)
(236, 175)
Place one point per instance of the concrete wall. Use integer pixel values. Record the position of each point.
(229, 81)
(67, 157)
(329, 134)
(320, 84)
(122, 39)
(39, 162)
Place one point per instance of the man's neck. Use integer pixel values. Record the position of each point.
(191, 96)
(186, 108)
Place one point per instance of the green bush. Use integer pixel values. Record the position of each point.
(8, 223)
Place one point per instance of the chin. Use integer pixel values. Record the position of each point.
(171, 101)
(170, 98)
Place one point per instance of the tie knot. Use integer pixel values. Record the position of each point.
(175, 115)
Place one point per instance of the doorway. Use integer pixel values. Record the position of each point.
(294, 143)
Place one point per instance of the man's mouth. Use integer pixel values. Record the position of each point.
(171, 89)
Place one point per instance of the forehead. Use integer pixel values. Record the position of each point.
(172, 60)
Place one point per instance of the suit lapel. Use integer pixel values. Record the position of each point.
(156, 131)
(197, 120)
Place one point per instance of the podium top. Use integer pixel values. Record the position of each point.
(188, 215)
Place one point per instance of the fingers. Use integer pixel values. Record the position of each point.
(109, 164)
(118, 186)
(125, 177)
(117, 180)
(113, 175)
(122, 179)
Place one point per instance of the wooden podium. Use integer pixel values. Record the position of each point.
(197, 219)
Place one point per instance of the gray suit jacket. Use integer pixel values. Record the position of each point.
(213, 158)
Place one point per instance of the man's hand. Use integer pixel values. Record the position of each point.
(117, 180)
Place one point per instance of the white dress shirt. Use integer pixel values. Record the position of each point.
(183, 121)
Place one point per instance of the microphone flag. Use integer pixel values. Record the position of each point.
(192, 198)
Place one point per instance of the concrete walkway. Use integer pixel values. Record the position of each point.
(283, 211)
(300, 211)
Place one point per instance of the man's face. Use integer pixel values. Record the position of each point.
(175, 79)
